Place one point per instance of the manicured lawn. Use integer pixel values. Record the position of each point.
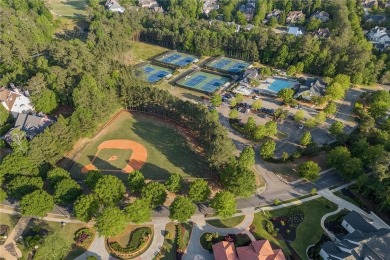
(168, 250)
(67, 232)
(186, 229)
(260, 232)
(308, 232)
(67, 8)
(226, 223)
(167, 149)
(9, 220)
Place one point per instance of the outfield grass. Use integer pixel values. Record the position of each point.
(308, 232)
(168, 150)
(67, 8)
(226, 223)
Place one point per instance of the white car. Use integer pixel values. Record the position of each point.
(300, 126)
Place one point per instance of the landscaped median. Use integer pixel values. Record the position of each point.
(227, 222)
(130, 243)
(297, 225)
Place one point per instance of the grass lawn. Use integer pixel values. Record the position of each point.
(9, 220)
(67, 232)
(186, 229)
(226, 223)
(168, 250)
(140, 52)
(67, 8)
(168, 150)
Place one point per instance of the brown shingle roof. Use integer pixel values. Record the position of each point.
(224, 251)
(8, 97)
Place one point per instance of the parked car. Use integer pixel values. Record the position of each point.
(256, 97)
(300, 126)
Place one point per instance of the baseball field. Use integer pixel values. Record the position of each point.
(138, 141)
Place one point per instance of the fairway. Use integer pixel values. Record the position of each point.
(165, 150)
(67, 8)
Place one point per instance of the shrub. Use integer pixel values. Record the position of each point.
(269, 227)
(282, 223)
(277, 202)
(137, 238)
(209, 237)
(83, 236)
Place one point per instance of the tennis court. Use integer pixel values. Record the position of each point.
(279, 84)
(177, 59)
(203, 82)
(155, 73)
(228, 65)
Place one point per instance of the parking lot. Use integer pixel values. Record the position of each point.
(288, 126)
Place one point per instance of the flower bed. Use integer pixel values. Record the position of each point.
(138, 239)
(83, 237)
(287, 224)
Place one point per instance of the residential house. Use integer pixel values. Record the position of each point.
(274, 13)
(151, 4)
(313, 87)
(249, 75)
(295, 17)
(321, 15)
(30, 124)
(294, 31)
(379, 37)
(387, 4)
(259, 250)
(375, 18)
(210, 5)
(114, 6)
(15, 100)
(369, 3)
(249, 27)
(363, 241)
(248, 9)
(322, 33)
(237, 27)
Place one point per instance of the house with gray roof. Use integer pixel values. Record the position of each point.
(32, 125)
(363, 241)
(114, 6)
(313, 87)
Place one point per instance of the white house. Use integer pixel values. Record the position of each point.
(378, 35)
(210, 5)
(114, 6)
(15, 100)
(294, 31)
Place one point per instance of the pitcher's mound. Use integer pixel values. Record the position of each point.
(113, 158)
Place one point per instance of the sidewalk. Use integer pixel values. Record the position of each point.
(9, 249)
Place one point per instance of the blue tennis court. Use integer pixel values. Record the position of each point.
(154, 73)
(202, 81)
(280, 84)
(228, 65)
(177, 59)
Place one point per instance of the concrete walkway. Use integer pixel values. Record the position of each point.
(97, 249)
(9, 249)
(324, 217)
(158, 239)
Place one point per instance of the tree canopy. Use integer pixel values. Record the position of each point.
(111, 222)
(199, 190)
(181, 209)
(109, 189)
(136, 181)
(224, 204)
(139, 211)
(155, 192)
(36, 203)
(173, 184)
(86, 207)
(54, 247)
(309, 170)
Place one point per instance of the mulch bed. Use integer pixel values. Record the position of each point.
(287, 224)
(314, 251)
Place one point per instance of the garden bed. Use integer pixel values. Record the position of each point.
(226, 223)
(168, 250)
(286, 225)
(130, 243)
(239, 240)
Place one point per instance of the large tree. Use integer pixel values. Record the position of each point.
(247, 157)
(305, 139)
(224, 204)
(199, 190)
(45, 102)
(136, 181)
(86, 207)
(181, 209)
(109, 189)
(267, 149)
(155, 192)
(239, 180)
(54, 247)
(4, 114)
(139, 211)
(111, 222)
(336, 128)
(92, 178)
(173, 184)
(66, 191)
(37, 204)
(309, 170)
(22, 185)
(56, 175)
